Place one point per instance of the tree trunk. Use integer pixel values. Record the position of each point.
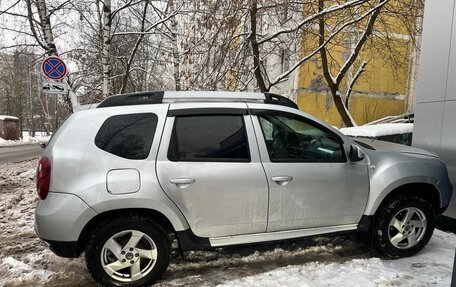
(343, 111)
(253, 9)
(175, 47)
(106, 51)
(46, 27)
(333, 86)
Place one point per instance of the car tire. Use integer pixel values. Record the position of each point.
(130, 251)
(403, 226)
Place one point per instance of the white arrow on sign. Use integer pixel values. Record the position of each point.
(55, 88)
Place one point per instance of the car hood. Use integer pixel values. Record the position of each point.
(393, 147)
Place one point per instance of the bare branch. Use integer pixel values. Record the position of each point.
(330, 37)
(10, 7)
(361, 69)
(18, 46)
(53, 10)
(148, 30)
(126, 5)
(135, 49)
(307, 20)
(360, 44)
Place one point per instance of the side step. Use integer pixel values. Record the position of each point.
(278, 235)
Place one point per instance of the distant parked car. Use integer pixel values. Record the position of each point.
(400, 133)
(394, 129)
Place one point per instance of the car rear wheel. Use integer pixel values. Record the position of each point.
(127, 252)
(403, 226)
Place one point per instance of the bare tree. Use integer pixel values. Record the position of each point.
(44, 36)
(134, 45)
(334, 82)
(330, 23)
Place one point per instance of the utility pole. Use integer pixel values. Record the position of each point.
(32, 120)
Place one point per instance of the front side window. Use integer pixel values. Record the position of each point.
(128, 136)
(291, 139)
(209, 138)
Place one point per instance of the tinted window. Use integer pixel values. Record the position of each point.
(209, 138)
(128, 136)
(290, 139)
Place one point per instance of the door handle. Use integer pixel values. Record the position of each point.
(282, 180)
(182, 182)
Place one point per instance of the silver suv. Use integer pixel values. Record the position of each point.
(213, 169)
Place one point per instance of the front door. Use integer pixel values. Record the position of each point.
(209, 165)
(311, 182)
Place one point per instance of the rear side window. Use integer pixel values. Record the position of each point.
(209, 138)
(128, 136)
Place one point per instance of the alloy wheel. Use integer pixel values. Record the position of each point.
(407, 228)
(128, 255)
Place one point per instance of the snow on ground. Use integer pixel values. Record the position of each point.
(40, 137)
(316, 261)
(378, 130)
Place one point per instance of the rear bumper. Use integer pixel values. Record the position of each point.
(61, 218)
(67, 249)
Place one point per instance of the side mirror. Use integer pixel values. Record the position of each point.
(356, 153)
(43, 145)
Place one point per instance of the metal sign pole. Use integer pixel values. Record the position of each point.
(32, 120)
(56, 115)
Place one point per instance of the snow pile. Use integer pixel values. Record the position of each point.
(316, 261)
(24, 259)
(30, 174)
(24, 273)
(378, 130)
(431, 267)
(4, 117)
(40, 137)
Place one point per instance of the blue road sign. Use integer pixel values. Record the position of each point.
(54, 68)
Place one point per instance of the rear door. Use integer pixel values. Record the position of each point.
(312, 184)
(209, 165)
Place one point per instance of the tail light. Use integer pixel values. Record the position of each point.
(43, 177)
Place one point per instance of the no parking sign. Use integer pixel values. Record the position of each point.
(54, 68)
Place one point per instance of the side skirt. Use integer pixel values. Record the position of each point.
(446, 223)
(278, 235)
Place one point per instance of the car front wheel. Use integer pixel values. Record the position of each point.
(403, 226)
(126, 252)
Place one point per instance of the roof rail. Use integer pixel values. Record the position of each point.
(144, 98)
(279, 100)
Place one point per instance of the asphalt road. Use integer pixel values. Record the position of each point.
(19, 153)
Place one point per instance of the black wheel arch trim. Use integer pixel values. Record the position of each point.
(365, 231)
(189, 241)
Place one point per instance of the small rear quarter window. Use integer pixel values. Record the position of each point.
(129, 136)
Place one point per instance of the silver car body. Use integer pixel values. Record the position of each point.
(227, 203)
